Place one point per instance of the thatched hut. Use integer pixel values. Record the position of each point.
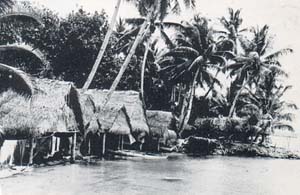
(106, 127)
(134, 107)
(159, 123)
(48, 112)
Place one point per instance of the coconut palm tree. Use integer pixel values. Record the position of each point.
(267, 104)
(149, 42)
(232, 26)
(151, 11)
(190, 62)
(249, 67)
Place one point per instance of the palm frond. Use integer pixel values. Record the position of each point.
(166, 39)
(12, 78)
(276, 55)
(196, 63)
(285, 116)
(190, 3)
(173, 25)
(282, 126)
(176, 7)
(135, 21)
(22, 47)
(5, 4)
(25, 16)
(183, 52)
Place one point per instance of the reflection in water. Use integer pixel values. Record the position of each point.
(215, 175)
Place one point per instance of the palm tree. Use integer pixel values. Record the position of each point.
(103, 46)
(190, 62)
(267, 104)
(249, 67)
(149, 42)
(232, 27)
(151, 11)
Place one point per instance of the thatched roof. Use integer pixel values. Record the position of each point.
(132, 102)
(158, 122)
(112, 118)
(47, 111)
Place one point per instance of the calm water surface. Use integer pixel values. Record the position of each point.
(213, 175)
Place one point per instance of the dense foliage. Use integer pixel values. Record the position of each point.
(193, 58)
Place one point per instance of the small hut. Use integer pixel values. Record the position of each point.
(106, 128)
(132, 102)
(160, 132)
(44, 117)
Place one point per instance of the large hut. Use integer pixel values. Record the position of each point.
(115, 125)
(160, 132)
(45, 117)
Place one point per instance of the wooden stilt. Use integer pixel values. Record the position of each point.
(158, 148)
(119, 142)
(122, 141)
(103, 144)
(73, 147)
(89, 146)
(31, 151)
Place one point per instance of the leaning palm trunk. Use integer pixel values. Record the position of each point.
(103, 47)
(143, 71)
(186, 118)
(144, 28)
(211, 86)
(232, 108)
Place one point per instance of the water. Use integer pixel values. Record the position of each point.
(213, 175)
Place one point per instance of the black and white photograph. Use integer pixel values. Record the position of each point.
(149, 97)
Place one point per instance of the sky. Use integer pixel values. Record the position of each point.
(283, 17)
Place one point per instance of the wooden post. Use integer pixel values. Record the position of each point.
(119, 142)
(158, 148)
(122, 137)
(73, 148)
(89, 146)
(31, 151)
(103, 144)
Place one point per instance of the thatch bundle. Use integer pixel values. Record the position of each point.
(218, 127)
(47, 110)
(114, 120)
(132, 102)
(158, 122)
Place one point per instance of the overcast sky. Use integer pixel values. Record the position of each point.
(283, 17)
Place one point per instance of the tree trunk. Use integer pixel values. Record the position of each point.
(212, 86)
(183, 108)
(189, 110)
(232, 108)
(143, 71)
(103, 47)
(126, 62)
